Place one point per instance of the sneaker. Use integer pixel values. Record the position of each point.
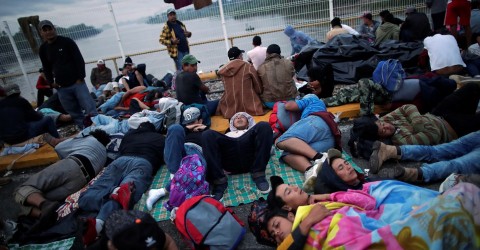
(123, 194)
(448, 183)
(219, 190)
(262, 185)
(312, 173)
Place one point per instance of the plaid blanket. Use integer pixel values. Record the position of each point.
(62, 244)
(241, 188)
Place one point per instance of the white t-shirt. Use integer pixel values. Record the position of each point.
(350, 30)
(257, 56)
(443, 51)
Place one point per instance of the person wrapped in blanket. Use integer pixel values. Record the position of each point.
(385, 214)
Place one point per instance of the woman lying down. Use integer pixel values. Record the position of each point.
(383, 215)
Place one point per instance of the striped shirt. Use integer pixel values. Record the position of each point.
(416, 129)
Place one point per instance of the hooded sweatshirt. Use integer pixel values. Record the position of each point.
(387, 31)
(277, 79)
(235, 132)
(242, 89)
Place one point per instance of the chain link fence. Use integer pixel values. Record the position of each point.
(94, 30)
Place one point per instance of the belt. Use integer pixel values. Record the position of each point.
(82, 167)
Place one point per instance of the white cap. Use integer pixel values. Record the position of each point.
(101, 61)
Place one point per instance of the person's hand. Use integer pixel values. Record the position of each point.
(54, 85)
(317, 198)
(175, 41)
(318, 213)
(188, 33)
(79, 81)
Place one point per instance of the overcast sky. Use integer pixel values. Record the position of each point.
(70, 12)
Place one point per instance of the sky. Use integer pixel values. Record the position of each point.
(70, 12)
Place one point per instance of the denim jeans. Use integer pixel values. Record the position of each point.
(178, 60)
(44, 125)
(460, 156)
(177, 149)
(76, 98)
(473, 67)
(122, 170)
(247, 153)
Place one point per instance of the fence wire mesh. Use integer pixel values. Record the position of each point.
(139, 27)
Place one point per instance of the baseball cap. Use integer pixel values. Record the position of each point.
(273, 48)
(190, 115)
(333, 154)
(101, 61)
(134, 230)
(11, 88)
(170, 10)
(410, 10)
(234, 52)
(190, 59)
(367, 15)
(45, 23)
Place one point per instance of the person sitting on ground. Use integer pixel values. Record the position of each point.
(387, 30)
(416, 26)
(99, 76)
(136, 230)
(246, 148)
(461, 156)
(20, 121)
(304, 141)
(277, 74)
(444, 54)
(341, 219)
(368, 27)
(82, 158)
(189, 87)
(242, 87)
(43, 88)
(257, 55)
(337, 29)
(453, 117)
(125, 179)
(298, 39)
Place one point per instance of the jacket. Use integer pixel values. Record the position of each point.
(242, 89)
(277, 74)
(166, 38)
(387, 31)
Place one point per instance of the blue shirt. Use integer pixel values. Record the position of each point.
(310, 104)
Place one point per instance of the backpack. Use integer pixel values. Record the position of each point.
(256, 222)
(389, 74)
(281, 119)
(187, 182)
(206, 224)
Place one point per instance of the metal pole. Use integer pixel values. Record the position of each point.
(116, 30)
(19, 58)
(224, 28)
(330, 9)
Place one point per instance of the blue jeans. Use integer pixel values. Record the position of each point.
(122, 170)
(460, 156)
(76, 97)
(178, 60)
(177, 149)
(247, 153)
(473, 67)
(313, 130)
(44, 125)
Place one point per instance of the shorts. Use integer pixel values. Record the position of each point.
(458, 8)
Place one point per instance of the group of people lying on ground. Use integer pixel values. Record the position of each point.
(447, 136)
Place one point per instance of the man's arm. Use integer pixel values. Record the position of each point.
(256, 81)
(46, 65)
(139, 78)
(78, 60)
(292, 106)
(93, 77)
(109, 74)
(422, 133)
(165, 36)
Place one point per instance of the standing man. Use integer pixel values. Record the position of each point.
(257, 55)
(437, 12)
(174, 36)
(64, 69)
(100, 75)
(459, 13)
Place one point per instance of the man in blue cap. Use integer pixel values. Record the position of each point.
(174, 36)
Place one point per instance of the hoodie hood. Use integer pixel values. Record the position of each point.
(232, 68)
(289, 30)
(165, 103)
(251, 121)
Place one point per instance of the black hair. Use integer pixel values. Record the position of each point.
(272, 213)
(389, 18)
(366, 128)
(101, 136)
(336, 22)
(40, 70)
(384, 13)
(324, 74)
(257, 41)
(147, 126)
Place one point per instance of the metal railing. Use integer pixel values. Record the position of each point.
(243, 19)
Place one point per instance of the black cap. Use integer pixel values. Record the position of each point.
(273, 48)
(45, 23)
(234, 52)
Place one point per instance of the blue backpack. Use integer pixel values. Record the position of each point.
(389, 74)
